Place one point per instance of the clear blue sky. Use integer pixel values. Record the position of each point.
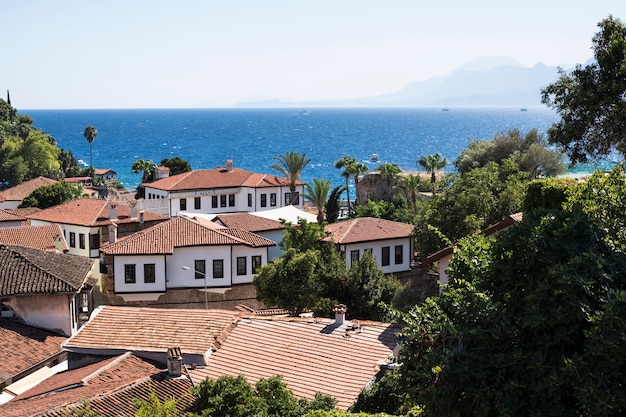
(205, 53)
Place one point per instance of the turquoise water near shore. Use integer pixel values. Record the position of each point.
(252, 138)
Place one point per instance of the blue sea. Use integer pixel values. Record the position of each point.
(252, 138)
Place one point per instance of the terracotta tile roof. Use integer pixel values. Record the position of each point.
(8, 216)
(249, 222)
(366, 229)
(218, 177)
(104, 171)
(22, 190)
(25, 271)
(25, 212)
(181, 232)
(153, 329)
(108, 385)
(23, 346)
(90, 212)
(311, 355)
(37, 237)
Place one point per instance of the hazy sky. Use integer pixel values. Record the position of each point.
(156, 53)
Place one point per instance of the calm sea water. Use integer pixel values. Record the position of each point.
(252, 138)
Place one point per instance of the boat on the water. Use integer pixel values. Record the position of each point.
(523, 109)
(445, 109)
(374, 157)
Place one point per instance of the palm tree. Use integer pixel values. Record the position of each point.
(318, 196)
(356, 170)
(143, 167)
(432, 164)
(90, 134)
(291, 165)
(411, 185)
(388, 172)
(346, 162)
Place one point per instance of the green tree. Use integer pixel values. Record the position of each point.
(345, 163)
(591, 100)
(155, 407)
(289, 282)
(530, 152)
(411, 185)
(550, 193)
(318, 196)
(291, 165)
(145, 167)
(522, 325)
(52, 195)
(333, 205)
(432, 164)
(474, 200)
(234, 396)
(228, 396)
(90, 134)
(389, 173)
(177, 165)
(30, 157)
(368, 290)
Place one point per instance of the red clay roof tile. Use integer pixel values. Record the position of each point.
(366, 229)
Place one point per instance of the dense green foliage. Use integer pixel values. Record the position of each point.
(26, 152)
(529, 152)
(529, 320)
(333, 204)
(591, 100)
(230, 396)
(177, 165)
(548, 193)
(52, 195)
(311, 275)
(472, 201)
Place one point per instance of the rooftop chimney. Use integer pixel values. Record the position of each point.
(141, 217)
(340, 313)
(229, 165)
(112, 233)
(174, 362)
(113, 212)
(133, 209)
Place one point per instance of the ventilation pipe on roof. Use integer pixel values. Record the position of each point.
(174, 362)
(229, 165)
(141, 217)
(340, 313)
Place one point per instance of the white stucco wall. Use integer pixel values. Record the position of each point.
(77, 230)
(179, 278)
(248, 253)
(376, 248)
(139, 261)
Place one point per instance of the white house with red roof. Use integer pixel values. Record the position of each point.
(390, 242)
(12, 197)
(183, 253)
(87, 223)
(220, 190)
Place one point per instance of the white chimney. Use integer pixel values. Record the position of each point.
(112, 233)
(229, 165)
(141, 217)
(340, 313)
(133, 209)
(113, 212)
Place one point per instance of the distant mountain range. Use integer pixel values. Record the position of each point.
(482, 82)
